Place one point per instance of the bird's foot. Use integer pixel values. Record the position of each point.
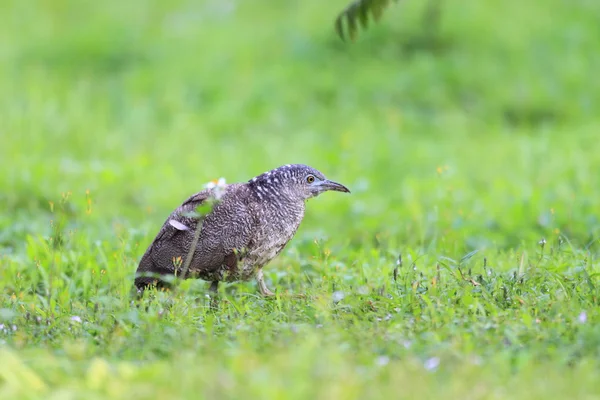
(294, 295)
(264, 290)
(267, 293)
(262, 286)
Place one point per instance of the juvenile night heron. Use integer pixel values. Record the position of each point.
(247, 227)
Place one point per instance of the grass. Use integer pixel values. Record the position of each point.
(471, 153)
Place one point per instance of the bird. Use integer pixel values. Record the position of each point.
(247, 225)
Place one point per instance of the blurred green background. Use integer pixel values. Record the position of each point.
(144, 102)
(481, 134)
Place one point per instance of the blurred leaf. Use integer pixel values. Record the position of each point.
(6, 314)
(468, 256)
(15, 374)
(358, 11)
(441, 260)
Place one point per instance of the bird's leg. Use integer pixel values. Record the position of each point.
(214, 288)
(262, 286)
(213, 291)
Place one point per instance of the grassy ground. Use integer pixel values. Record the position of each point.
(482, 137)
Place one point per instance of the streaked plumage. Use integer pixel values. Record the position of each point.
(247, 228)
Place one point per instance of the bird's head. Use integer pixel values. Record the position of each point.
(296, 180)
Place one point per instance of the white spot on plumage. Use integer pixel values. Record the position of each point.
(178, 225)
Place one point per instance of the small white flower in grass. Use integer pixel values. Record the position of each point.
(337, 296)
(14, 328)
(76, 318)
(1, 327)
(432, 363)
(382, 360)
(582, 318)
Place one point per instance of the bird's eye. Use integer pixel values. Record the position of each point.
(310, 179)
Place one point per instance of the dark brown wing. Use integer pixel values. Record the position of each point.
(182, 219)
(172, 242)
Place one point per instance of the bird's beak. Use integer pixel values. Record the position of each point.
(331, 185)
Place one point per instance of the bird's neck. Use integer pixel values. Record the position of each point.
(280, 198)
